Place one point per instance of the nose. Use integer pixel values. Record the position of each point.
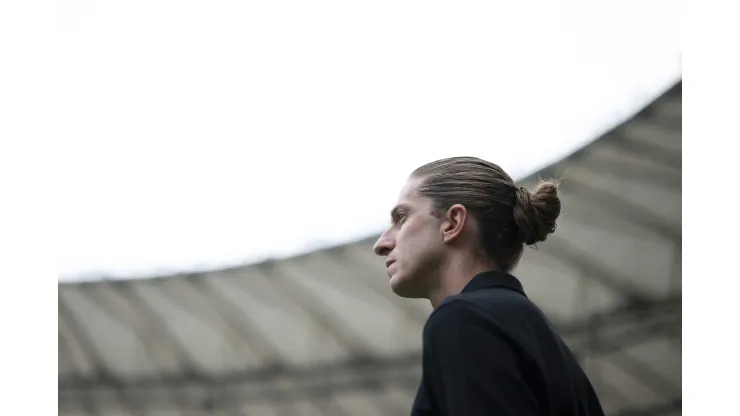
(384, 245)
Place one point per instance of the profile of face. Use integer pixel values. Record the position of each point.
(486, 223)
(413, 244)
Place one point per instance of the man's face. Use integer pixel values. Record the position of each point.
(413, 244)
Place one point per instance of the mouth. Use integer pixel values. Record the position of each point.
(388, 263)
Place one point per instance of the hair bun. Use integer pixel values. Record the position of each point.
(536, 212)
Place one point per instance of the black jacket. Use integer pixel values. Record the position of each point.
(491, 351)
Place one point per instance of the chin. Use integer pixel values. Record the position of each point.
(403, 286)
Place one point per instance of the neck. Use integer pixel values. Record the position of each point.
(454, 276)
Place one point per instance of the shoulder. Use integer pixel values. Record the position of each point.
(452, 308)
(455, 315)
(460, 330)
(500, 313)
(503, 307)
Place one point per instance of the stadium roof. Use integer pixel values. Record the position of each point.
(322, 334)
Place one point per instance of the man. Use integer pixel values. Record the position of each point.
(458, 229)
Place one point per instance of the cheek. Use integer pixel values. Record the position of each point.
(414, 240)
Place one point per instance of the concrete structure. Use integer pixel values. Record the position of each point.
(321, 334)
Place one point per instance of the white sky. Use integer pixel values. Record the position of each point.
(212, 133)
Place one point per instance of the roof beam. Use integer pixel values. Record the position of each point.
(629, 314)
(591, 269)
(666, 157)
(626, 313)
(90, 350)
(634, 173)
(641, 371)
(237, 321)
(620, 207)
(314, 390)
(80, 334)
(159, 329)
(326, 318)
(669, 407)
(92, 291)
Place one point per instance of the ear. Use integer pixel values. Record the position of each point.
(453, 223)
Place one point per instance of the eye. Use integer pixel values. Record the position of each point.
(399, 215)
(402, 218)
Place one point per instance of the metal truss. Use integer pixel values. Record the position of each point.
(601, 334)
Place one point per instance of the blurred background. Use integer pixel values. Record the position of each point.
(233, 163)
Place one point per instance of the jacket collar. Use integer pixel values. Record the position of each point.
(492, 279)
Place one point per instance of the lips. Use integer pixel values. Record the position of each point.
(388, 263)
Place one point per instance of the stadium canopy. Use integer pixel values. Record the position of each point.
(322, 334)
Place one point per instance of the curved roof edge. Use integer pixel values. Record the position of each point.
(610, 134)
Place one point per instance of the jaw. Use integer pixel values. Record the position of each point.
(407, 287)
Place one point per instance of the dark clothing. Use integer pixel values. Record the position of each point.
(490, 351)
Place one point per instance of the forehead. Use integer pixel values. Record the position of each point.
(409, 194)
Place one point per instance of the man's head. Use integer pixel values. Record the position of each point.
(461, 212)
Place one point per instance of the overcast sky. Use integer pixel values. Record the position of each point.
(205, 134)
